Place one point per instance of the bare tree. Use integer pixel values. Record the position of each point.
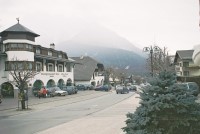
(22, 72)
(160, 61)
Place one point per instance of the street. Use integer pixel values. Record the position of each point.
(97, 112)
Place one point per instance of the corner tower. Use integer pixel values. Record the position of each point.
(17, 43)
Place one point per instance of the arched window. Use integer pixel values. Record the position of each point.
(50, 53)
(50, 67)
(60, 68)
(38, 51)
(38, 66)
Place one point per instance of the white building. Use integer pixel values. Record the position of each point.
(17, 45)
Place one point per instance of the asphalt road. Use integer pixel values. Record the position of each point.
(45, 116)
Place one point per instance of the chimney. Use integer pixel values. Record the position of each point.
(52, 46)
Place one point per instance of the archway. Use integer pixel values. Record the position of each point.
(61, 83)
(7, 90)
(98, 84)
(51, 83)
(37, 86)
(69, 82)
(93, 83)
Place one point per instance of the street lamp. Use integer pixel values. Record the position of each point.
(151, 49)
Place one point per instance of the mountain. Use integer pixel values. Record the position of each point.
(107, 47)
(97, 35)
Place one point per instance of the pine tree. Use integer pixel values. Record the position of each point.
(165, 108)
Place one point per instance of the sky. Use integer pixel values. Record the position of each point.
(173, 24)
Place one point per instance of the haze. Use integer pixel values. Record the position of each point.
(170, 23)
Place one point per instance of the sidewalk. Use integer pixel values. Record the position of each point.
(13, 103)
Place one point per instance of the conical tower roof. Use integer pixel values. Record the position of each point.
(18, 28)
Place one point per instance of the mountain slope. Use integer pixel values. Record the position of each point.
(107, 47)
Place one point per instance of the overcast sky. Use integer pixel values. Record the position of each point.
(167, 23)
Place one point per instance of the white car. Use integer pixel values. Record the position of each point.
(60, 92)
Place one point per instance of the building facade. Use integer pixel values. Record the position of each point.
(184, 64)
(18, 46)
(88, 71)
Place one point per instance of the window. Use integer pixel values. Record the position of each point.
(38, 66)
(37, 50)
(7, 47)
(30, 47)
(50, 67)
(50, 53)
(186, 73)
(19, 65)
(20, 46)
(60, 68)
(60, 55)
(13, 46)
(30, 66)
(26, 46)
(68, 67)
(186, 64)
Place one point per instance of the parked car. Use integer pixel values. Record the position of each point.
(89, 87)
(60, 92)
(103, 88)
(81, 87)
(192, 87)
(121, 89)
(85, 87)
(51, 91)
(70, 89)
(132, 88)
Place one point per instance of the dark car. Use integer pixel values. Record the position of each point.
(121, 89)
(103, 88)
(85, 87)
(51, 91)
(70, 89)
(89, 87)
(132, 88)
(81, 87)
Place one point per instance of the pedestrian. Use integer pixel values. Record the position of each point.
(44, 92)
(40, 93)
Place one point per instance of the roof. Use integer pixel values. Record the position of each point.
(85, 69)
(18, 28)
(184, 54)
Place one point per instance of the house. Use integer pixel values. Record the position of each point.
(88, 71)
(184, 64)
(18, 45)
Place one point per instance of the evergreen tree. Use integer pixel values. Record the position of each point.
(165, 108)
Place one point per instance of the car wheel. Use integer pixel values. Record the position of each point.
(59, 94)
(117, 92)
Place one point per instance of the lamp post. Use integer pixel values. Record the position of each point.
(151, 50)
